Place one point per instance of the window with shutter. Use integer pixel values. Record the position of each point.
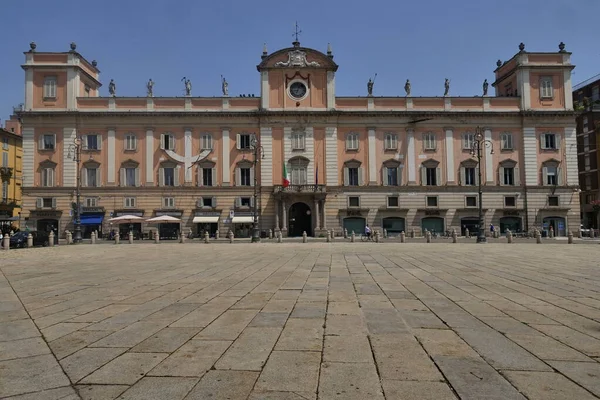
(207, 142)
(50, 87)
(546, 89)
(429, 141)
(352, 141)
(130, 142)
(391, 141)
(468, 141)
(506, 140)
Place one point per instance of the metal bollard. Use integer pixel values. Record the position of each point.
(51, 238)
(6, 242)
(206, 237)
(332, 234)
(93, 237)
(181, 237)
(538, 237)
(345, 233)
(412, 233)
(328, 237)
(551, 233)
(130, 237)
(570, 238)
(69, 238)
(217, 234)
(157, 237)
(454, 236)
(280, 237)
(376, 236)
(467, 233)
(304, 237)
(509, 236)
(402, 237)
(352, 237)
(270, 233)
(231, 237)
(428, 237)
(117, 238)
(385, 234)
(29, 241)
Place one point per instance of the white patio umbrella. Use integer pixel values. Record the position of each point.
(165, 219)
(127, 219)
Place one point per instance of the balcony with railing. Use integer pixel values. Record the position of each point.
(5, 174)
(299, 189)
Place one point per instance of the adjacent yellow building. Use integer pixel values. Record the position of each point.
(11, 150)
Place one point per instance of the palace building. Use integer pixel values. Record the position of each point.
(10, 176)
(395, 162)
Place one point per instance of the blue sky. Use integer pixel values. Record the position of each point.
(426, 41)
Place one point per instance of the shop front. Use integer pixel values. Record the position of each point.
(45, 221)
(206, 222)
(242, 224)
(91, 221)
(124, 229)
(511, 220)
(169, 231)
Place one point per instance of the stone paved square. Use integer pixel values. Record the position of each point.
(301, 321)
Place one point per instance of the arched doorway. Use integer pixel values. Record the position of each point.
(470, 223)
(511, 223)
(432, 224)
(393, 225)
(356, 224)
(557, 224)
(47, 225)
(299, 220)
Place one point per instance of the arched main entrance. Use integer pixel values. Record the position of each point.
(355, 224)
(511, 223)
(557, 224)
(433, 224)
(299, 220)
(393, 225)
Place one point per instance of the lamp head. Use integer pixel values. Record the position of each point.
(478, 134)
(492, 151)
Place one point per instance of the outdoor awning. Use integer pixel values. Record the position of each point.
(91, 219)
(205, 220)
(242, 220)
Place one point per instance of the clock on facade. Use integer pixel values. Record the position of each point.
(298, 90)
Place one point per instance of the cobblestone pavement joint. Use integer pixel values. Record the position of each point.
(300, 321)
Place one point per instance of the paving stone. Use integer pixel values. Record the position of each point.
(131, 335)
(409, 305)
(125, 369)
(480, 309)
(86, 361)
(349, 381)
(19, 329)
(206, 313)
(224, 385)
(587, 374)
(343, 308)
(269, 395)
(294, 371)
(384, 321)
(250, 350)
(63, 393)
(309, 310)
(401, 357)
(279, 306)
(349, 348)
(61, 329)
(31, 374)
(586, 344)
(413, 390)
(301, 334)
(531, 317)
(100, 392)
(102, 313)
(547, 348)
(166, 341)
(172, 313)
(546, 386)
(159, 388)
(438, 342)
(268, 319)
(23, 348)
(507, 325)
(75, 341)
(473, 378)
(252, 301)
(192, 359)
(228, 326)
(422, 319)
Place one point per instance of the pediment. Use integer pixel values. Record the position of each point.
(297, 57)
(432, 162)
(131, 162)
(469, 162)
(48, 164)
(352, 163)
(392, 162)
(509, 162)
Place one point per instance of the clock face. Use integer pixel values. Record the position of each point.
(298, 90)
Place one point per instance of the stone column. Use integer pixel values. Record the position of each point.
(324, 216)
(276, 214)
(284, 216)
(317, 216)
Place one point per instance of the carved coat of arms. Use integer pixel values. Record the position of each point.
(297, 58)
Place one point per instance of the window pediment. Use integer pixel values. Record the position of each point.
(553, 162)
(244, 164)
(431, 163)
(299, 161)
(48, 164)
(508, 163)
(91, 164)
(130, 163)
(469, 163)
(353, 163)
(206, 164)
(168, 164)
(391, 163)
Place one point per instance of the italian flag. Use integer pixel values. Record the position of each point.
(286, 177)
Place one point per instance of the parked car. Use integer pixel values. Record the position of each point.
(19, 239)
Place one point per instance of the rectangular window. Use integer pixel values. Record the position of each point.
(549, 141)
(207, 202)
(4, 159)
(353, 201)
(130, 143)
(298, 175)
(5, 192)
(129, 202)
(468, 140)
(470, 179)
(48, 142)
(207, 176)
(298, 141)
(91, 176)
(551, 176)
(510, 201)
(207, 142)
(130, 177)
(50, 87)
(471, 201)
(93, 142)
(553, 201)
(245, 201)
(588, 182)
(168, 202)
(169, 178)
(506, 141)
(587, 162)
(392, 176)
(244, 141)
(391, 141)
(596, 93)
(47, 177)
(245, 177)
(509, 176)
(393, 201)
(432, 201)
(91, 202)
(48, 202)
(431, 176)
(546, 90)
(352, 141)
(167, 141)
(5, 143)
(353, 176)
(428, 141)
(589, 198)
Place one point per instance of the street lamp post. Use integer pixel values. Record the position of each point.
(479, 144)
(258, 153)
(75, 152)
